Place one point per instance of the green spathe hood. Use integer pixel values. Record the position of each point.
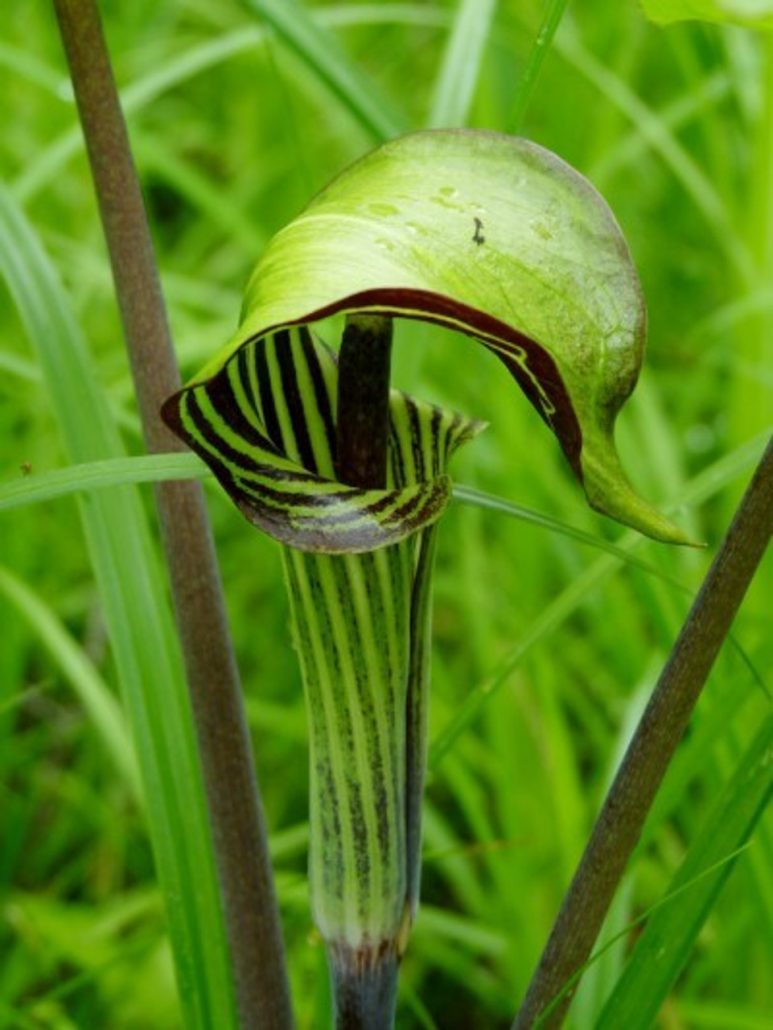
(492, 236)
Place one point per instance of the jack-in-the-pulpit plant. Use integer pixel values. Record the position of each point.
(485, 234)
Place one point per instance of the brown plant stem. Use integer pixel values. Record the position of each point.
(652, 747)
(238, 826)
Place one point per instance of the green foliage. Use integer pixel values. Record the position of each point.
(139, 625)
(674, 128)
(661, 952)
(319, 51)
(461, 66)
(755, 13)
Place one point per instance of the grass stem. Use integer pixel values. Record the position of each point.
(553, 14)
(240, 841)
(649, 754)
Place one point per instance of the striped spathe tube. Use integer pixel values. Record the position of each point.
(358, 566)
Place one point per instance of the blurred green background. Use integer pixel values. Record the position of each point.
(232, 133)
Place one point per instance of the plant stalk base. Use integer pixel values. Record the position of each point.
(364, 986)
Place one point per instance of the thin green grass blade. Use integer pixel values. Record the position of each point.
(600, 952)
(198, 59)
(489, 502)
(22, 63)
(697, 184)
(140, 629)
(552, 17)
(711, 480)
(757, 14)
(698, 751)
(38, 173)
(548, 621)
(88, 685)
(459, 71)
(321, 52)
(673, 117)
(704, 485)
(18, 366)
(670, 934)
(382, 12)
(35, 488)
(156, 155)
(713, 1015)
